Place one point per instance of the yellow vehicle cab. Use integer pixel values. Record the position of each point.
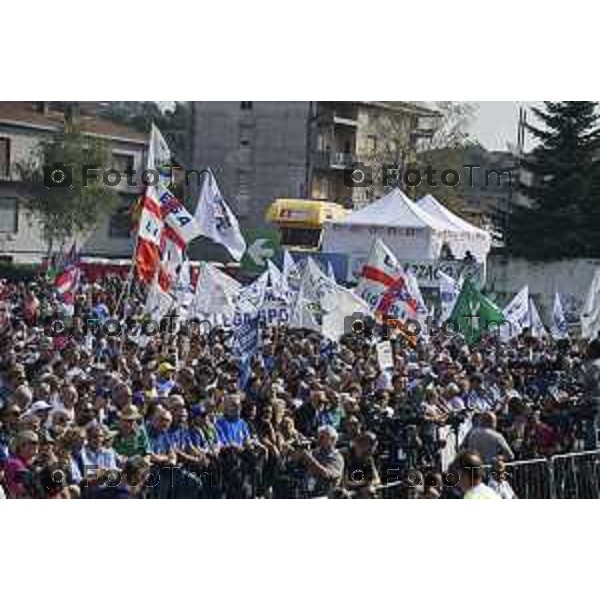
(300, 221)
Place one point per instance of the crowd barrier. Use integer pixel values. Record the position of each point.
(563, 476)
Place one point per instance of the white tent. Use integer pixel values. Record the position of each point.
(474, 239)
(408, 230)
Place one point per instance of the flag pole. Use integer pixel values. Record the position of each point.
(126, 291)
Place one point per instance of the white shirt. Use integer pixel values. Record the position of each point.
(502, 488)
(481, 492)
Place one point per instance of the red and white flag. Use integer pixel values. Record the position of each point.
(67, 280)
(147, 252)
(166, 226)
(385, 286)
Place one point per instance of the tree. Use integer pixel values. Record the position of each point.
(74, 210)
(175, 123)
(404, 143)
(562, 218)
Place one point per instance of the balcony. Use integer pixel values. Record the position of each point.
(341, 160)
(344, 120)
(343, 114)
(333, 160)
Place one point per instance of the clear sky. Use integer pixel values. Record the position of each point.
(496, 123)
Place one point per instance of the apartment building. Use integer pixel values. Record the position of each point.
(23, 125)
(266, 150)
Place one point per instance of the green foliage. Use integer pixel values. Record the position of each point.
(65, 212)
(440, 160)
(174, 122)
(442, 147)
(563, 219)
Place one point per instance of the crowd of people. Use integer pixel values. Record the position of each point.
(88, 414)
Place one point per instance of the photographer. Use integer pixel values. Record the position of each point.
(324, 467)
(360, 472)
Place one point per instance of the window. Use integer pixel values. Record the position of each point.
(4, 157)
(245, 136)
(9, 215)
(122, 162)
(300, 237)
(371, 144)
(246, 105)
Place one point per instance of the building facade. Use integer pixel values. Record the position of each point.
(23, 126)
(261, 151)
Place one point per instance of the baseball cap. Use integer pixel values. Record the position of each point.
(131, 413)
(165, 367)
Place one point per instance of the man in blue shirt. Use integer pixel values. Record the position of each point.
(233, 430)
(165, 381)
(161, 444)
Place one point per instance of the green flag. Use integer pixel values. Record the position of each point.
(474, 314)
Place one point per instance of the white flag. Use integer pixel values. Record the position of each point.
(252, 297)
(449, 291)
(330, 272)
(216, 220)
(516, 314)
(158, 302)
(415, 292)
(590, 312)
(159, 153)
(290, 271)
(559, 328)
(324, 306)
(184, 294)
(216, 293)
(537, 327)
(277, 282)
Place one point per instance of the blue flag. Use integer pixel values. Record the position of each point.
(245, 345)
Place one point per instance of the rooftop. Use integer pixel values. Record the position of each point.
(33, 115)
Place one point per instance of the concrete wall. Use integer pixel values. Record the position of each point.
(571, 278)
(257, 155)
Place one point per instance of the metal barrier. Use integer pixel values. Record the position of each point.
(530, 478)
(563, 476)
(576, 475)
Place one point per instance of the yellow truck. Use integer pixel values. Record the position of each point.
(300, 221)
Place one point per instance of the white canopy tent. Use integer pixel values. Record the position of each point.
(409, 231)
(474, 239)
(413, 232)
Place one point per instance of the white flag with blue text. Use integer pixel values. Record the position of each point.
(516, 314)
(537, 327)
(216, 220)
(559, 328)
(449, 291)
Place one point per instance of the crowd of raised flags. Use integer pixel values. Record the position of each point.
(300, 295)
